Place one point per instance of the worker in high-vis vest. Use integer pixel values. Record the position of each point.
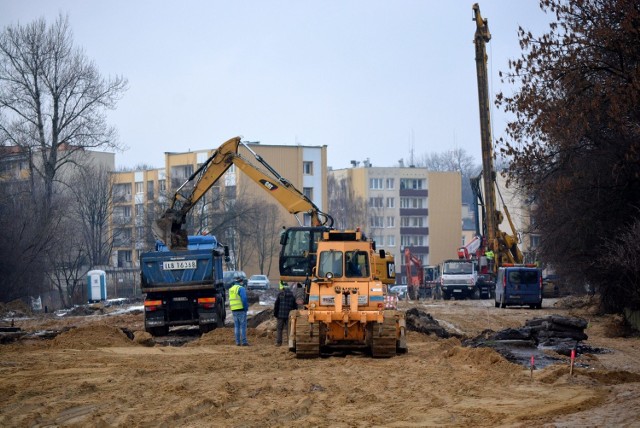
(239, 306)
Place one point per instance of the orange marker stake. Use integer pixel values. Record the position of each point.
(533, 364)
(573, 358)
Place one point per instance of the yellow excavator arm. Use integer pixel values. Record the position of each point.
(169, 227)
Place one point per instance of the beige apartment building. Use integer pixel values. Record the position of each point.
(411, 208)
(141, 196)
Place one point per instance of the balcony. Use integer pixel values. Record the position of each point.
(122, 198)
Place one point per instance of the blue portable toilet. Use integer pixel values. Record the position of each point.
(96, 285)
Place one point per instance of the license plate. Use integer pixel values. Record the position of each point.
(179, 264)
(457, 291)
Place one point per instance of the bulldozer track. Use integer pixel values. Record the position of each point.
(384, 339)
(307, 338)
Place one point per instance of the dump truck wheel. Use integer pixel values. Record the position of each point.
(206, 328)
(222, 314)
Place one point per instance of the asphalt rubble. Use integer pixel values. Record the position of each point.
(539, 338)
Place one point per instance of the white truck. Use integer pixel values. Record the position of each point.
(459, 279)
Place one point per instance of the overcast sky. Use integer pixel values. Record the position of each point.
(368, 78)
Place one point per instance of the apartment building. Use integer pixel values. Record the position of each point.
(141, 196)
(408, 207)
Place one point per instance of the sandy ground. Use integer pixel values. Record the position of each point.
(94, 375)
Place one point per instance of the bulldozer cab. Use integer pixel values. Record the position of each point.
(348, 264)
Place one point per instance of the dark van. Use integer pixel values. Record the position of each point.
(519, 286)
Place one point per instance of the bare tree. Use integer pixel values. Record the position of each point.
(52, 98)
(23, 243)
(347, 209)
(455, 159)
(93, 190)
(68, 262)
(263, 229)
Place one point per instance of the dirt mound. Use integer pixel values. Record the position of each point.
(606, 377)
(259, 318)
(219, 336)
(92, 336)
(577, 302)
(14, 309)
(616, 326)
(480, 357)
(561, 373)
(226, 336)
(143, 338)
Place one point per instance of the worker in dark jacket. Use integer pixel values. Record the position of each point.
(285, 302)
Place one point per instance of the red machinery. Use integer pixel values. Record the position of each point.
(414, 282)
(470, 250)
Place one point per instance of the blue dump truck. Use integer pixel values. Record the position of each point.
(184, 287)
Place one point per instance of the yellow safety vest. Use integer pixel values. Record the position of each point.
(235, 301)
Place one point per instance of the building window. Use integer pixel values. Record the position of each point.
(413, 221)
(535, 241)
(181, 172)
(122, 192)
(413, 202)
(391, 202)
(149, 189)
(412, 240)
(377, 222)
(139, 186)
(390, 183)
(122, 189)
(307, 168)
(376, 202)
(391, 241)
(375, 183)
(140, 233)
(139, 210)
(308, 192)
(162, 185)
(412, 183)
(391, 221)
(124, 258)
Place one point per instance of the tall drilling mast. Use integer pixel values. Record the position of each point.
(480, 40)
(503, 245)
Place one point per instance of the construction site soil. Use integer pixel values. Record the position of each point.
(85, 370)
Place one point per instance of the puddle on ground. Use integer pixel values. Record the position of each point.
(522, 355)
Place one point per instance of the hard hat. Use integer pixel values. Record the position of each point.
(282, 285)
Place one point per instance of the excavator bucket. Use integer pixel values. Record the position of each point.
(168, 230)
(161, 229)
